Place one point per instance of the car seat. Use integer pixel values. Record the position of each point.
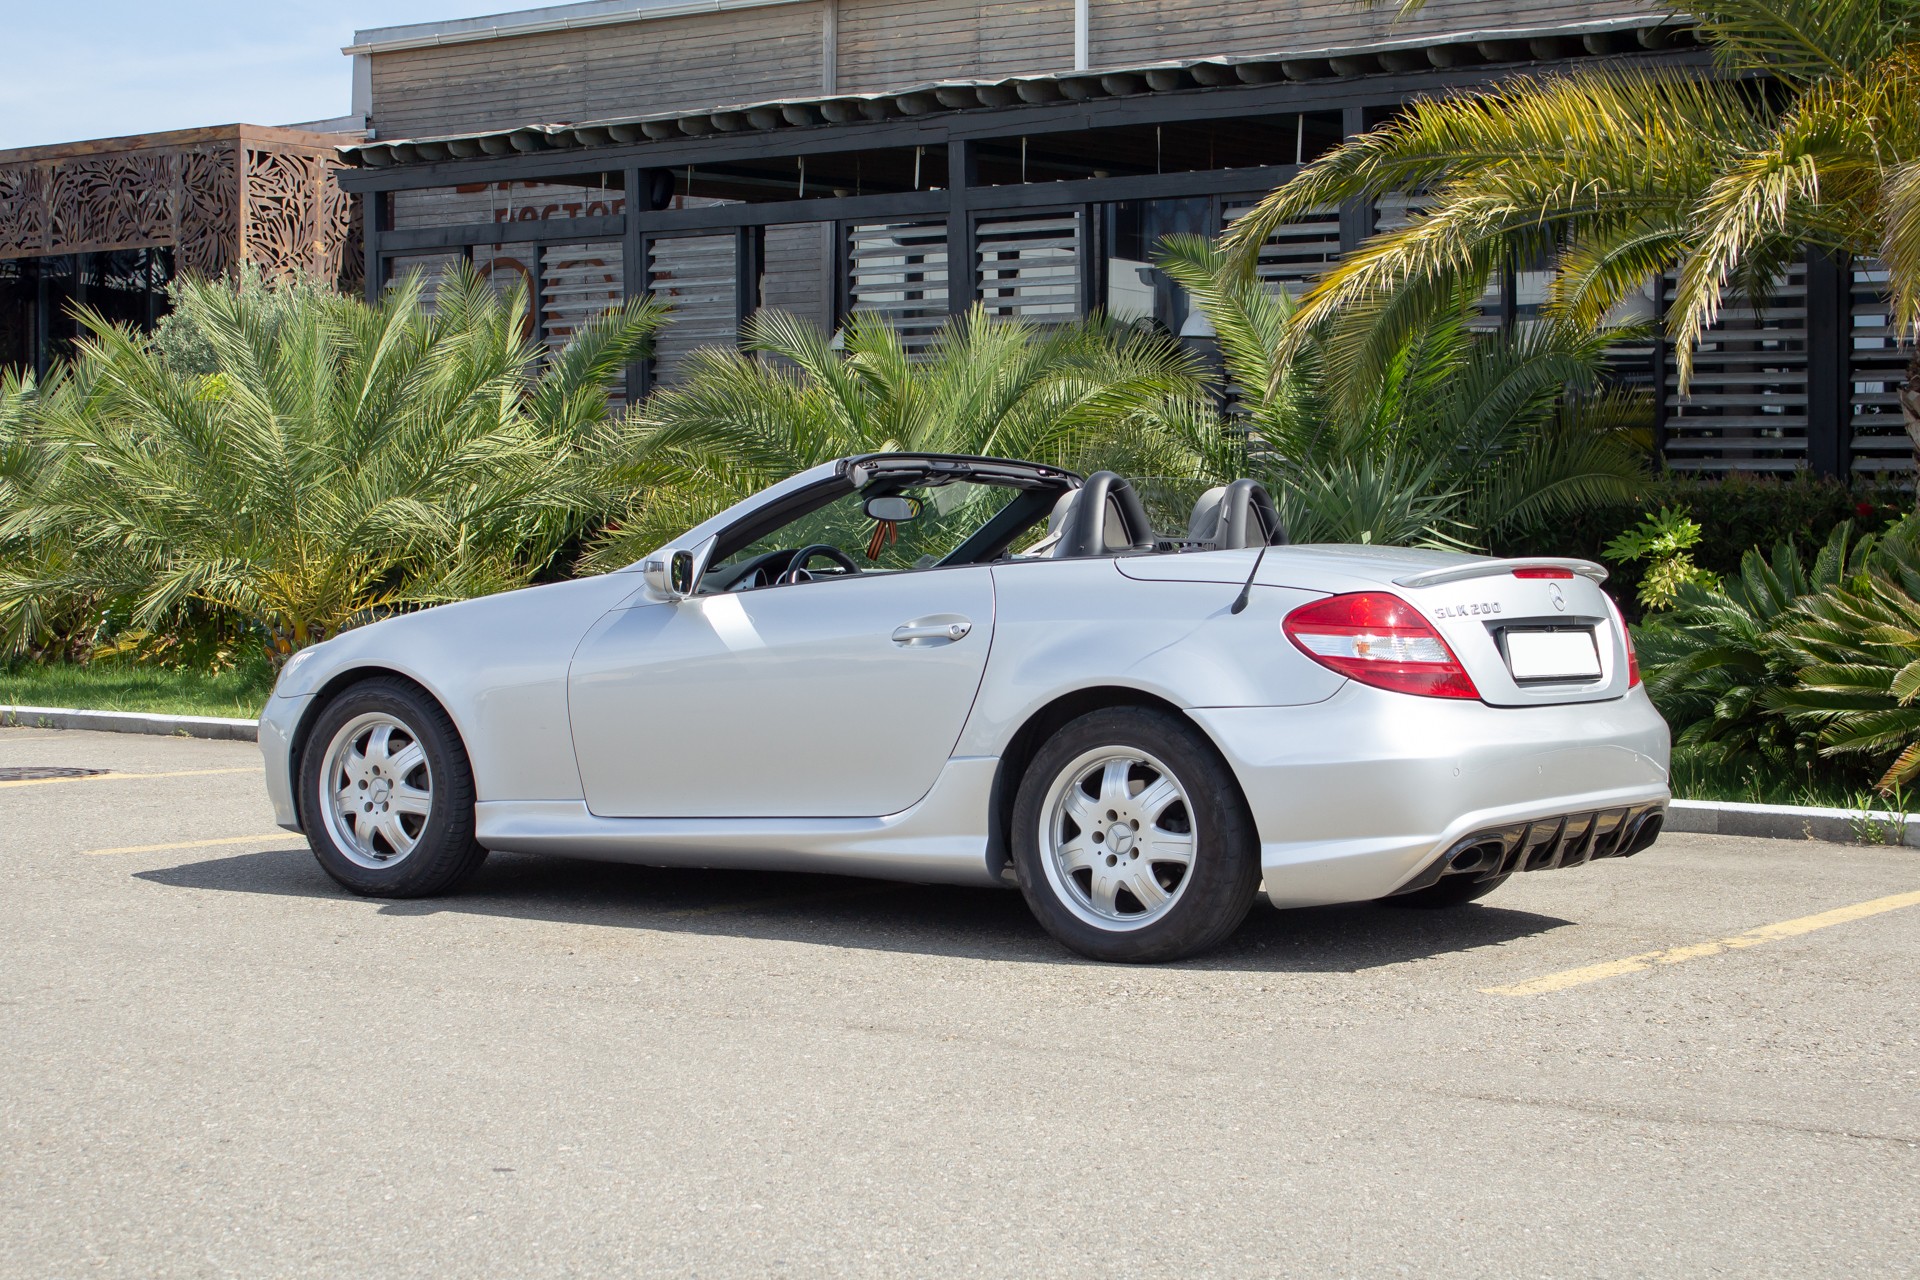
(1232, 516)
(1103, 517)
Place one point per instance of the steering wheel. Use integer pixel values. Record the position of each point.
(797, 567)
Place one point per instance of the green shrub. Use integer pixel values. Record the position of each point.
(1858, 649)
(1665, 542)
(1736, 514)
(1716, 660)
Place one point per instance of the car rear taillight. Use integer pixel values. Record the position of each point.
(1381, 640)
(1543, 571)
(1626, 634)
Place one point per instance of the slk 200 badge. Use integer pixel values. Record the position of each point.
(1465, 610)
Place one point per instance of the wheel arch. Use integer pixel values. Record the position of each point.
(336, 685)
(1041, 725)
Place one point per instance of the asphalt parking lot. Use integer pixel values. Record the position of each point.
(213, 1062)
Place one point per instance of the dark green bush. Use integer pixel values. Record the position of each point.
(1736, 514)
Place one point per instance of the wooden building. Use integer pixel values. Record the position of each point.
(107, 224)
(914, 157)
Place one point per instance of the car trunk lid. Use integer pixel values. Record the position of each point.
(1519, 637)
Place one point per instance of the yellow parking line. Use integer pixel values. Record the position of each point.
(126, 777)
(197, 844)
(1675, 955)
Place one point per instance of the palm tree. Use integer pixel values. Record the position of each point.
(1809, 135)
(793, 396)
(1467, 438)
(51, 626)
(340, 461)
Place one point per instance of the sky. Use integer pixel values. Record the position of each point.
(78, 69)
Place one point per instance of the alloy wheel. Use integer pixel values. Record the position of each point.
(376, 790)
(1117, 838)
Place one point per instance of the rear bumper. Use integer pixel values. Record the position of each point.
(1358, 796)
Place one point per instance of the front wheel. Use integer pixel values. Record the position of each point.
(388, 793)
(1131, 840)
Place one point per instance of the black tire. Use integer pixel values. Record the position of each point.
(1209, 898)
(443, 853)
(1453, 891)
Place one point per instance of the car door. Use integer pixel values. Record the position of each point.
(841, 697)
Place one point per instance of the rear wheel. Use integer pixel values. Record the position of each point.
(1131, 840)
(388, 793)
(1453, 891)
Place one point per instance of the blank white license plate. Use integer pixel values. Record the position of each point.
(1552, 655)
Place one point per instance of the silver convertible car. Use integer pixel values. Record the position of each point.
(983, 672)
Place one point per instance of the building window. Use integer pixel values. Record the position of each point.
(39, 298)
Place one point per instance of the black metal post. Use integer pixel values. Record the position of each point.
(375, 222)
(1828, 320)
(1092, 260)
(1661, 349)
(963, 268)
(537, 294)
(749, 256)
(634, 277)
(1356, 216)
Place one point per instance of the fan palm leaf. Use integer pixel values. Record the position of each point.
(1613, 174)
(339, 462)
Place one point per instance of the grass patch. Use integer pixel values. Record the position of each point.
(114, 686)
(1755, 783)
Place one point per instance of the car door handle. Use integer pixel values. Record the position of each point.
(931, 632)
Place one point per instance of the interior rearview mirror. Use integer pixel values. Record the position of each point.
(670, 578)
(894, 508)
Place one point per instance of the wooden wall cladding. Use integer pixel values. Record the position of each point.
(891, 44)
(701, 60)
(1136, 32)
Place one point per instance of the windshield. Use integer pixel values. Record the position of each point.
(948, 515)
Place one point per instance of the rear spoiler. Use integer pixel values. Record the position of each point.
(1494, 568)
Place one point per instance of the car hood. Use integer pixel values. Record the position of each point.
(416, 644)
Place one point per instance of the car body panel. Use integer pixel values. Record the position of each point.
(1353, 796)
(786, 701)
(1069, 625)
(497, 664)
(783, 728)
(1471, 608)
(941, 839)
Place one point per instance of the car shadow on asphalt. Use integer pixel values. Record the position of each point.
(842, 911)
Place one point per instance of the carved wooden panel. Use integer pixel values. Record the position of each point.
(208, 212)
(286, 216)
(23, 211)
(217, 197)
(110, 201)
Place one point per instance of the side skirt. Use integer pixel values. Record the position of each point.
(940, 840)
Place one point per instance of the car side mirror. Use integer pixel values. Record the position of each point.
(670, 578)
(893, 508)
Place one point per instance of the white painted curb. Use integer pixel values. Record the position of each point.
(1793, 822)
(129, 722)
